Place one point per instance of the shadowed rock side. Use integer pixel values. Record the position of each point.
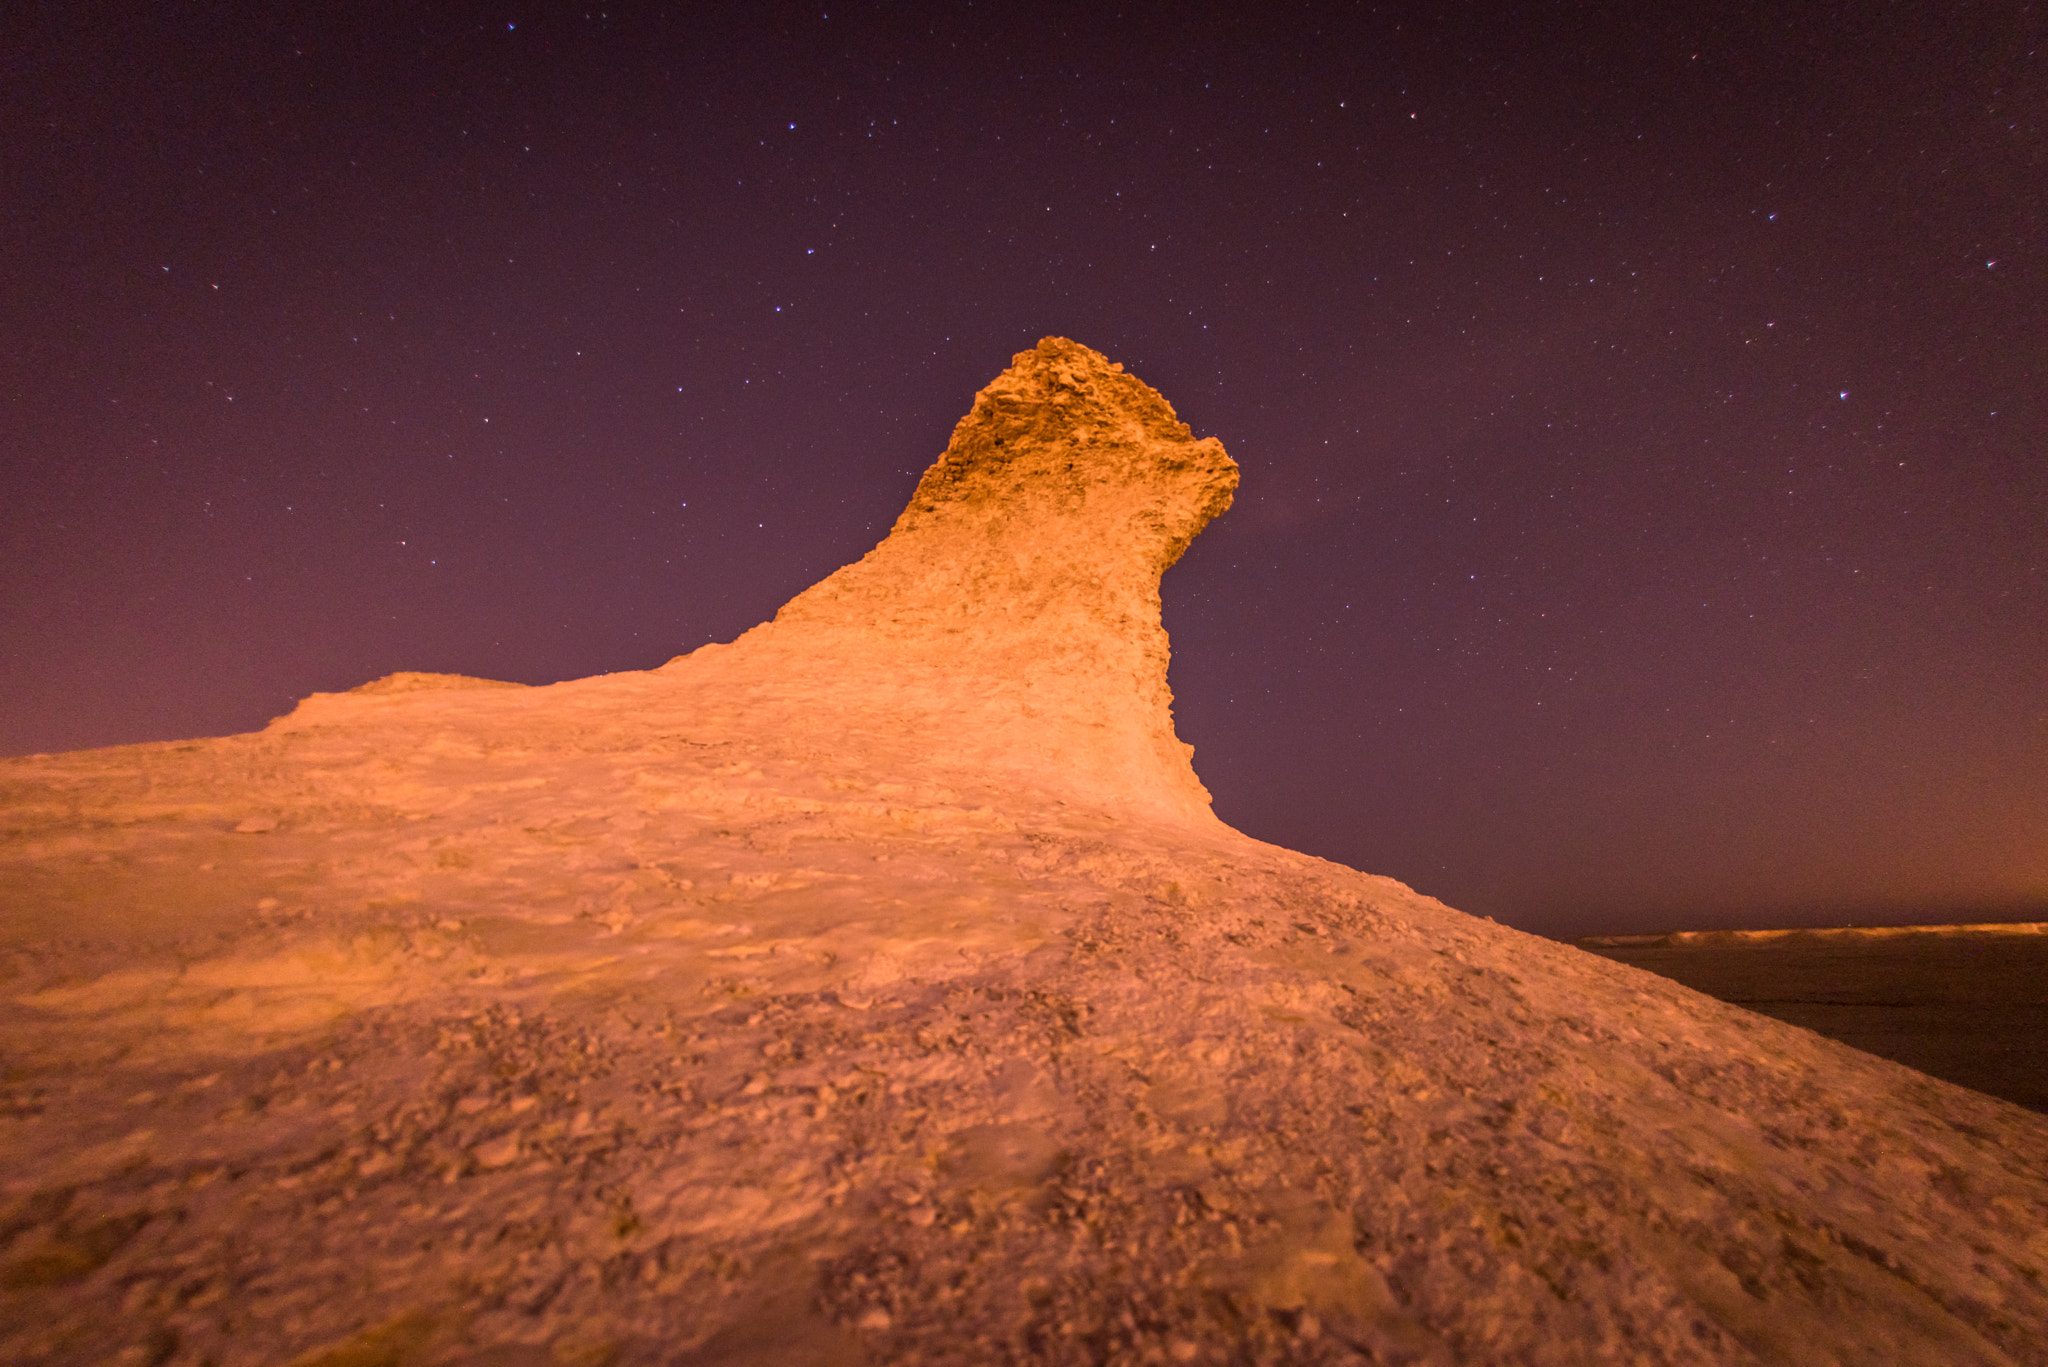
(1012, 615)
(877, 989)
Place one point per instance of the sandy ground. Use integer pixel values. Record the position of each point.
(797, 1004)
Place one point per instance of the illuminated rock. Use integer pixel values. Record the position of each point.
(879, 987)
(1012, 616)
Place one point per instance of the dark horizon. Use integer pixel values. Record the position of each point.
(1643, 523)
(1826, 916)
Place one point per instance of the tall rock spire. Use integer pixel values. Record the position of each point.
(1011, 617)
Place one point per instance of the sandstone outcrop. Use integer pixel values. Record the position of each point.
(879, 988)
(1011, 617)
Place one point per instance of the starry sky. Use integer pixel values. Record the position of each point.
(1644, 516)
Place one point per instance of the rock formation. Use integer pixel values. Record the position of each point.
(878, 988)
(1011, 618)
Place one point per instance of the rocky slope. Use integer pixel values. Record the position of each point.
(879, 988)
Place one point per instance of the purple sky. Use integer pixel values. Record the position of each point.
(1644, 518)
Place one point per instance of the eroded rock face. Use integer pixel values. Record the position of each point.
(878, 989)
(1068, 489)
(1012, 615)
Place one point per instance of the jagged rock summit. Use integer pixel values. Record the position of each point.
(879, 988)
(1012, 615)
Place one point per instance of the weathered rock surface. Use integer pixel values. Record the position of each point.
(878, 988)
(1010, 622)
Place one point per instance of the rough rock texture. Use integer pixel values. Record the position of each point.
(810, 1000)
(1011, 619)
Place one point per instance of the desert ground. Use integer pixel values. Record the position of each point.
(880, 988)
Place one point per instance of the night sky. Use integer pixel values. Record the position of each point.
(1644, 516)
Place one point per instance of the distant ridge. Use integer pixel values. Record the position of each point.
(1967, 1002)
(1729, 937)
